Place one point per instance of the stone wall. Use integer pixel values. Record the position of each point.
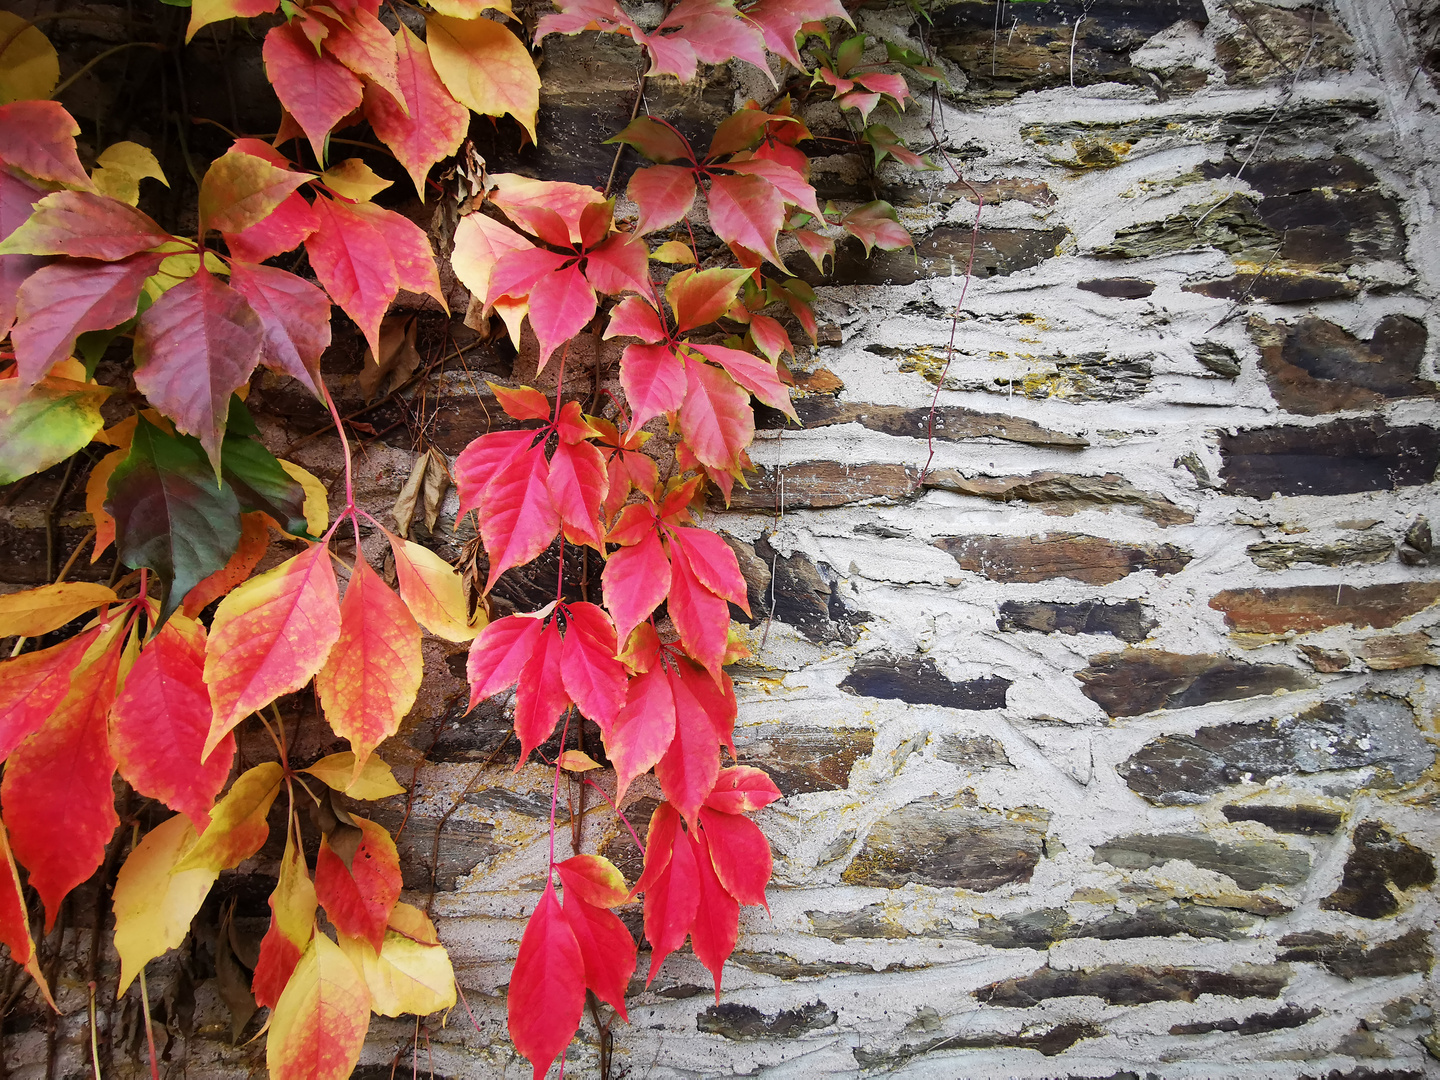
(1108, 736)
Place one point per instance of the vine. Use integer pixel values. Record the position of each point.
(153, 684)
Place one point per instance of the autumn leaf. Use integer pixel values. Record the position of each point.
(254, 542)
(292, 925)
(48, 424)
(607, 951)
(352, 259)
(741, 789)
(57, 800)
(84, 226)
(407, 976)
(433, 590)
(294, 320)
(240, 190)
(519, 520)
(547, 987)
(359, 892)
(154, 900)
(636, 578)
(780, 20)
(29, 65)
(435, 124)
(160, 719)
(317, 498)
(701, 297)
(315, 88)
(740, 853)
(318, 1026)
(32, 684)
(876, 225)
(672, 897)
(664, 194)
(485, 67)
(194, 347)
(373, 673)
(717, 913)
(38, 611)
(15, 919)
(237, 826)
(362, 43)
(594, 879)
(205, 12)
(17, 199)
(338, 771)
(39, 138)
(169, 513)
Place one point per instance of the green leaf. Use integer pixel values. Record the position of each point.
(170, 515)
(45, 426)
(261, 483)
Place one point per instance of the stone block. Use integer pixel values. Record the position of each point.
(947, 423)
(747, 1022)
(1062, 493)
(1303, 608)
(1339, 458)
(1380, 865)
(927, 844)
(1135, 984)
(1141, 680)
(943, 252)
(1124, 619)
(1363, 550)
(802, 760)
(1316, 367)
(1091, 559)
(1291, 1016)
(1251, 864)
(1409, 954)
(920, 682)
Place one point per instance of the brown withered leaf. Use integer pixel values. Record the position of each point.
(423, 493)
(398, 357)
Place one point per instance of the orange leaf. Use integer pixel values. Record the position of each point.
(318, 1026)
(237, 823)
(433, 590)
(373, 674)
(292, 925)
(436, 123)
(359, 897)
(38, 611)
(270, 636)
(485, 67)
(15, 922)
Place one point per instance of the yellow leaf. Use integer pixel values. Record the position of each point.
(434, 591)
(317, 499)
(673, 251)
(485, 67)
(38, 611)
(237, 824)
(407, 977)
(409, 920)
(29, 67)
(317, 1028)
(155, 898)
(578, 761)
(354, 179)
(375, 781)
(121, 168)
(469, 9)
(180, 267)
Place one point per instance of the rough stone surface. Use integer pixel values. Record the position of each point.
(1125, 619)
(1338, 458)
(1123, 984)
(920, 682)
(1380, 869)
(1314, 607)
(1316, 367)
(1141, 680)
(1370, 731)
(1090, 559)
(1062, 493)
(1408, 954)
(1251, 865)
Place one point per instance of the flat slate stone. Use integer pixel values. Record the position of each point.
(949, 423)
(1062, 493)
(820, 485)
(464, 845)
(1134, 984)
(920, 682)
(925, 844)
(1364, 550)
(1409, 954)
(1044, 927)
(1316, 367)
(1141, 680)
(1366, 730)
(1124, 619)
(1283, 286)
(1091, 559)
(1338, 458)
(802, 760)
(793, 590)
(1314, 607)
(1049, 1041)
(1305, 820)
(1379, 865)
(736, 1021)
(1251, 864)
(1291, 1016)
(1118, 288)
(943, 252)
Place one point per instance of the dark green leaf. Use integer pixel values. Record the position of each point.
(261, 483)
(169, 514)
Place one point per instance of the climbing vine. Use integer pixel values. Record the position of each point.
(190, 643)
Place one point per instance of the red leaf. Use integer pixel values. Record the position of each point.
(780, 20)
(656, 140)
(358, 898)
(519, 270)
(17, 199)
(659, 846)
(32, 684)
(714, 697)
(669, 55)
(716, 419)
(352, 260)
(286, 228)
(269, 637)
(621, 263)
(483, 460)
(607, 950)
(741, 789)
(664, 194)
(758, 376)
(593, 678)
(741, 130)
(540, 695)
(561, 304)
(770, 337)
(195, 347)
(717, 915)
(500, 653)
(520, 520)
(654, 381)
(15, 920)
(294, 320)
(573, 426)
(644, 728)
(786, 180)
(292, 925)
(700, 297)
(577, 486)
(713, 563)
(159, 722)
(370, 680)
(436, 123)
(85, 226)
(240, 190)
(634, 317)
(526, 403)
(578, 15)
(58, 802)
(740, 853)
(594, 879)
(747, 212)
(38, 137)
(59, 302)
(688, 770)
(480, 243)
(521, 198)
(671, 901)
(408, 246)
(876, 225)
(547, 987)
(316, 89)
(363, 44)
(713, 29)
(635, 580)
